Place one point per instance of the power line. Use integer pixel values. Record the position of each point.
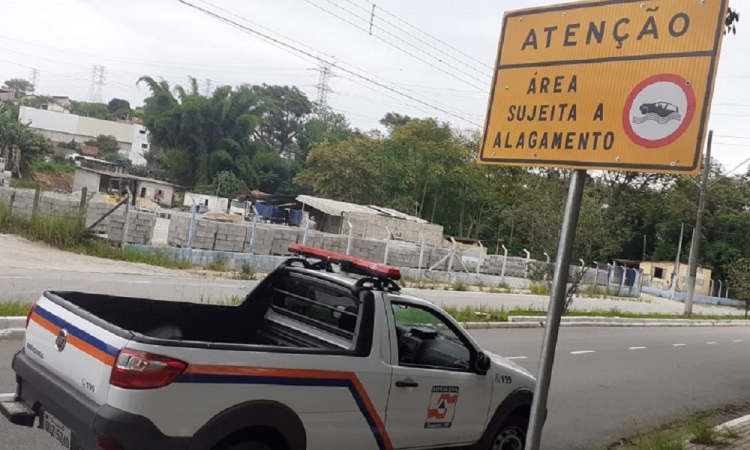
(411, 45)
(431, 36)
(373, 23)
(317, 58)
(396, 46)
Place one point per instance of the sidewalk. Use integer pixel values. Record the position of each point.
(733, 435)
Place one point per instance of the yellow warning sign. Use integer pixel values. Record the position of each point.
(609, 85)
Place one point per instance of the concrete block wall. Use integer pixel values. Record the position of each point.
(371, 226)
(140, 227)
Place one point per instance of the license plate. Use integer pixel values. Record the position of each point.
(56, 429)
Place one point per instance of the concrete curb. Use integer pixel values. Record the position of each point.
(515, 322)
(735, 423)
(14, 327)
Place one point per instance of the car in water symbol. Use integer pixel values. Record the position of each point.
(662, 109)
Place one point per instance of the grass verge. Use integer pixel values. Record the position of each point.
(43, 166)
(70, 234)
(14, 308)
(696, 428)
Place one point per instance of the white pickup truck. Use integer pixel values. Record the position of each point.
(325, 353)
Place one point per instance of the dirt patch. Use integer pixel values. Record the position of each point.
(53, 180)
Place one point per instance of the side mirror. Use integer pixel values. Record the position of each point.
(482, 363)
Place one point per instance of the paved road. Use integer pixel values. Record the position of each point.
(28, 284)
(605, 380)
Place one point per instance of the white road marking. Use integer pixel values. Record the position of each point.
(637, 348)
(582, 352)
(516, 357)
(13, 277)
(142, 282)
(678, 345)
(737, 340)
(711, 343)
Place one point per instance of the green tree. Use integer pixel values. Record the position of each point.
(106, 144)
(22, 87)
(284, 111)
(738, 272)
(119, 108)
(201, 136)
(227, 185)
(94, 110)
(19, 144)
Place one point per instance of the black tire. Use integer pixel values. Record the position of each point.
(644, 110)
(511, 435)
(250, 446)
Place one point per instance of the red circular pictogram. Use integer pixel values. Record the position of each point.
(678, 81)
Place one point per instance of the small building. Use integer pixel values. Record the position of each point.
(212, 203)
(658, 274)
(160, 192)
(7, 94)
(60, 126)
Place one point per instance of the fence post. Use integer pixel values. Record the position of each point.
(126, 225)
(12, 200)
(505, 260)
(421, 253)
(349, 241)
(721, 286)
(255, 230)
(596, 276)
(387, 245)
(622, 279)
(711, 288)
(609, 276)
(526, 266)
(82, 206)
(480, 259)
(451, 255)
(191, 231)
(307, 230)
(726, 293)
(37, 193)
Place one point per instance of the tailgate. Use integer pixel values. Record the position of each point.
(78, 351)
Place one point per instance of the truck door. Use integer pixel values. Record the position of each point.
(436, 398)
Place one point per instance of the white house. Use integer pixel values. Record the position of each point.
(211, 202)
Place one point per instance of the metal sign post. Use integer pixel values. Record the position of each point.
(556, 308)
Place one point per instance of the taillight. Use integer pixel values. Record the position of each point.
(140, 370)
(106, 443)
(28, 316)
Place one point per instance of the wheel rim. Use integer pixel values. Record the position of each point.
(511, 438)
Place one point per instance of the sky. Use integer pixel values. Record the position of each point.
(424, 57)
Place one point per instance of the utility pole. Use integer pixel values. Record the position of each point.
(644, 248)
(696, 244)
(676, 273)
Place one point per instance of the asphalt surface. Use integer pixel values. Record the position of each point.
(606, 380)
(28, 284)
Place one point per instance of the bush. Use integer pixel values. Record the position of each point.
(247, 272)
(43, 166)
(540, 289)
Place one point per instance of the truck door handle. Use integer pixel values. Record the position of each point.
(406, 383)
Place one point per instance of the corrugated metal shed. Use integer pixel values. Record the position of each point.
(336, 208)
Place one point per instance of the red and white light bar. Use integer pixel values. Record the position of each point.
(333, 257)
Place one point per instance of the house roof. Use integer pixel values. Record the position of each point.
(336, 208)
(128, 176)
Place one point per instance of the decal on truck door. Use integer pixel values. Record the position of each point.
(442, 407)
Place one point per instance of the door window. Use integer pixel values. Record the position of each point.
(427, 340)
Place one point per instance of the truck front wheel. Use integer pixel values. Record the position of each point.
(511, 435)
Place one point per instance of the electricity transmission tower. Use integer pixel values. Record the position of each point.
(34, 79)
(323, 85)
(208, 87)
(96, 88)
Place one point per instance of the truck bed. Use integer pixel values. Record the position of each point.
(181, 321)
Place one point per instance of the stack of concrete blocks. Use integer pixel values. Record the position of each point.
(515, 267)
(57, 206)
(140, 227)
(369, 250)
(262, 243)
(373, 226)
(231, 238)
(282, 237)
(179, 231)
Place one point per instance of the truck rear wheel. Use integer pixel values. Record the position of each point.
(511, 435)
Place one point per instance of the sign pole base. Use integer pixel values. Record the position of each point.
(556, 308)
